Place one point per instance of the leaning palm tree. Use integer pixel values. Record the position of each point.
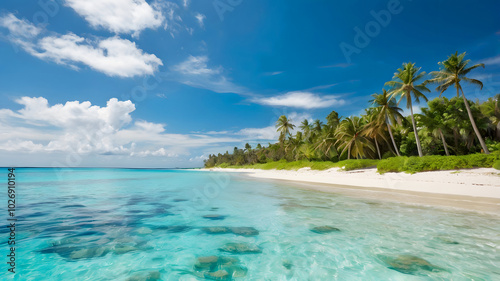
(284, 126)
(389, 113)
(452, 72)
(405, 85)
(350, 138)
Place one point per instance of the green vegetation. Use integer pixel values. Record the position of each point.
(345, 165)
(463, 130)
(436, 162)
(496, 165)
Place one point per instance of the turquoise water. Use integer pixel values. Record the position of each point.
(124, 224)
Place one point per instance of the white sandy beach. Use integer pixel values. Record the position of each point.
(483, 182)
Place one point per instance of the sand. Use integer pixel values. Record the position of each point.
(475, 189)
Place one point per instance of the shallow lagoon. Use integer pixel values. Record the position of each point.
(126, 224)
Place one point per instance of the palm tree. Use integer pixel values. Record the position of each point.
(248, 148)
(491, 109)
(452, 72)
(284, 126)
(433, 121)
(317, 126)
(326, 143)
(333, 120)
(404, 85)
(349, 135)
(306, 128)
(374, 128)
(389, 112)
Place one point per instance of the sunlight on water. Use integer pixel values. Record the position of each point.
(118, 224)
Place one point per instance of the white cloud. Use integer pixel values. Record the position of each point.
(200, 18)
(273, 73)
(18, 27)
(195, 66)
(43, 134)
(112, 56)
(267, 133)
(195, 72)
(185, 3)
(73, 126)
(270, 133)
(83, 128)
(118, 16)
(305, 100)
(173, 21)
(338, 65)
(491, 61)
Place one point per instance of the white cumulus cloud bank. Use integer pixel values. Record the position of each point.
(112, 56)
(83, 128)
(132, 16)
(305, 100)
(118, 16)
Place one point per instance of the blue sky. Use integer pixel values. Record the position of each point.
(134, 83)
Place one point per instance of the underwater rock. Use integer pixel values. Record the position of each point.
(245, 231)
(143, 231)
(214, 263)
(218, 275)
(124, 240)
(206, 262)
(63, 251)
(409, 264)
(142, 276)
(324, 229)
(180, 200)
(122, 249)
(241, 248)
(287, 264)
(216, 230)
(92, 252)
(177, 228)
(214, 217)
(236, 271)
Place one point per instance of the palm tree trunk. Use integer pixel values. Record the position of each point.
(392, 138)
(474, 126)
(349, 152)
(419, 148)
(444, 143)
(378, 150)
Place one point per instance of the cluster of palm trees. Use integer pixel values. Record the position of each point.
(383, 130)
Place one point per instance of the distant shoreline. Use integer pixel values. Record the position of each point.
(475, 189)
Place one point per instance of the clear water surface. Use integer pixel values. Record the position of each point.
(126, 224)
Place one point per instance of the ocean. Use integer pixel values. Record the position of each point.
(139, 224)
